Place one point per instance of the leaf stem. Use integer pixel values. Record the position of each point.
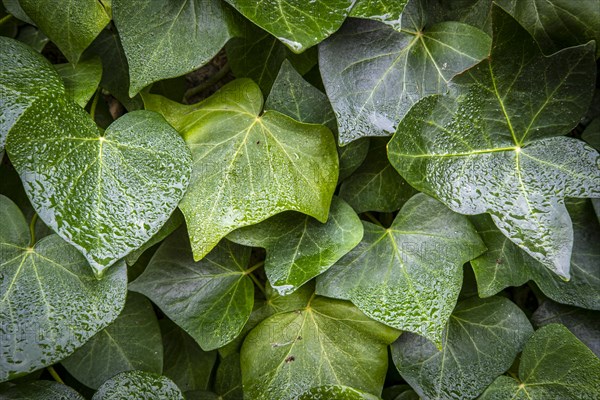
(94, 104)
(32, 229)
(5, 19)
(54, 374)
(373, 219)
(255, 267)
(258, 284)
(207, 83)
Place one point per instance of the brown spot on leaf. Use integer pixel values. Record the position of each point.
(290, 359)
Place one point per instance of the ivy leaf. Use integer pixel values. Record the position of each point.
(186, 34)
(409, 275)
(556, 24)
(32, 36)
(40, 390)
(131, 342)
(373, 74)
(329, 342)
(505, 264)
(228, 381)
(554, 365)
(81, 80)
(48, 288)
(336, 392)
(296, 23)
(247, 167)
(376, 185)
(388, 12)
(476, 13)
(491, 146)
(481, 340)
(14, 8)
(300, 247)
(184, 361)
(210, 299)
(582, 323)
(106, 193)
(138, 385)
(72, 25)
(174, 222)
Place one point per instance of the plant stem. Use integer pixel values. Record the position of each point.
(255, 267)
(258, 284)
(372, 218)
(32, 229)
(55, 375)
(5, 19)
(207, 83)
(94, 104)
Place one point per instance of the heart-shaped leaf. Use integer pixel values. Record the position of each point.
(480, 342)
(81, 80)
(300, 247)
(296, 23)
(131, 342)
(328, 342)
(210, 299)
(106, 193)
(409, 275)
(505, 264)
(186, 33)
(388, 12)
(373, 74)
(40, 390)
(336, 392)
(554, 365)
(50, 301)
(248, 167)
(491, 146)
(138, 385)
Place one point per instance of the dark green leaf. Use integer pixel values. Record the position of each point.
(81, 80)
(40, 390)
(174, 222)
(138, 385)
(386, 11)
(14, 8)
(491, 146)
(32, 36)
(131, 342)
(335, 392)
(228, 382)
(408, 276)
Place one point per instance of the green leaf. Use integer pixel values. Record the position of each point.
(592, 134)
(482, 339)
(131, 342)
(184, 361)
(210, 299)
(15, 9)
(248, 167)
(388, 12)
(81, 80)
(168, 39)
(72, 25)
(138, 385)
(107, 193)
(582, 323)
(476, 13)
(373, 74)
(299, 247)
(491, 146)
(329, 342)
(228, 381)
(32, 36)
(556, 24)
(409, 275)
(174, 222)
(40, 390)
(554, 365)
(296, 23)
(50, 301)
(335, 392)
(375, 185)
(505, 264)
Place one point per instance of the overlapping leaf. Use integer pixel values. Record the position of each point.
(480, 342)
(493, 145)
(138, 385)
(388, 12)
(104, 192)
(50, 301)
(336, 392)
(40, 390)
(210, 299)
(81, 80)
(248, 167)
(328, 342)
(373, 74)
(409, 275)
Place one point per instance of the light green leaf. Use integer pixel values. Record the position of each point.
(554, 365)
(248, 167)
(336, 392)
(296, 23)
(81, 80)
(107, 193)
(138, 385)
(168, 39)
(329, 342)
(376, 185)
(386, 11)
(40, 390)
(505, 264)
(374, 74)
(131, 342)
(481, 341)
(556, 24)
(491, 146)
(72, 25)
(50, 301)
(409, 275)
(184, 361)
(299, 247)
(210, 299)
